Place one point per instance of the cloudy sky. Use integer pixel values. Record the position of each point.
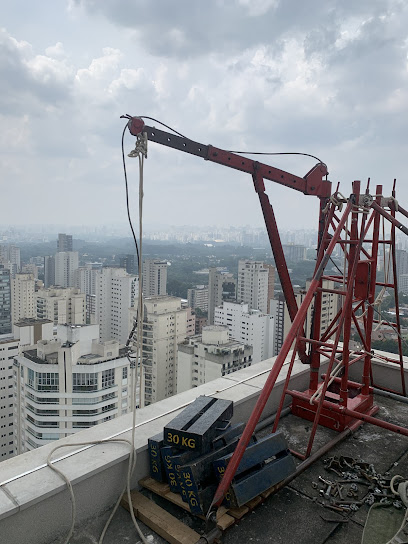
(326, 77)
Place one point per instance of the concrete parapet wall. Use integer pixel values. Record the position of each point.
(34, 502)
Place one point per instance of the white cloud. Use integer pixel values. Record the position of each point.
(324, 77)
(258, 7)
(56, 50)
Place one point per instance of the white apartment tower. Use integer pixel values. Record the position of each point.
(330, 306)
(10, 347)
(277, 310)
(116, 292)
(154, 277)
(10, 256)
(68, 384)
(206, 357)
(22, 297)
(5, 301)
(66, 262)
(221, 286)
(255, 284)
(85, 279)
(164, 327)
(8, 350)
(198, 298)
(62, 306)
(248, 326)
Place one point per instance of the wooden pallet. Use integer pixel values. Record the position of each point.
(224, 520)
(162, 523)
(169, 527)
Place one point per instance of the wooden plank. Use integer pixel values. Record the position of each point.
(268, 492)
(221, 511)
(162, 523)
(225, 521)
(155, 486)
(163, 490)
(254, 502)
(238, 513)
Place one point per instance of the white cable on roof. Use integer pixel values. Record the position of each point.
(139, 353)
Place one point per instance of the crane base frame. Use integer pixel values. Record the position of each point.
(304, 408)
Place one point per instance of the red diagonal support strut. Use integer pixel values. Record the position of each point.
(277, 367)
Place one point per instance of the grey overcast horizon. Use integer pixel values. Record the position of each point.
(326, 77)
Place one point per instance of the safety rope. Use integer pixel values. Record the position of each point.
(140, 151)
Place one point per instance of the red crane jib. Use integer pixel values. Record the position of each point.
(313, 183)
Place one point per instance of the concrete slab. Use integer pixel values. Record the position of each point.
(8, 504)
(293, 515)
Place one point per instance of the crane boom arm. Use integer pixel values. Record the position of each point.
(311, 184)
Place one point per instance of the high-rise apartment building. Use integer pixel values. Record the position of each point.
(154, 277)
(402, 265)
(164, 327)
(294, 252)
(330, 306)
(90, 304)
(85, 278)
(22, 297)
(5, 301)
(67, 384)
(129, 263)
(221, 287)
(191, 319)
(255, 284)
(9, 348)
(277, 310)
(403, 283)
(10, 256)
(271, 285)
(49, 271)
(198, 297)
(200, 322)
(11, 345)
(64, 243)
(248, 326)
(209, 356)
(30, 268)
(66, 262)
(62, 306)
(116, 292)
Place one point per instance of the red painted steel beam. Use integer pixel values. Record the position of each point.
(277, 367)
(390, 218)
(277, 250)
(397, 316)
(311, 184)
(356, 415)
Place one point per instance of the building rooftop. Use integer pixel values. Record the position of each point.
(27, 321)
(294, 514)
(30, 491)
(6, 338)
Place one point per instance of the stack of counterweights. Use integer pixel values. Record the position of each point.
(193, 451)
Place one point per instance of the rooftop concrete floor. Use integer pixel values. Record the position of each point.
(292, 515)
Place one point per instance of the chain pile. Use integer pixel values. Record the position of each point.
(358, 482)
